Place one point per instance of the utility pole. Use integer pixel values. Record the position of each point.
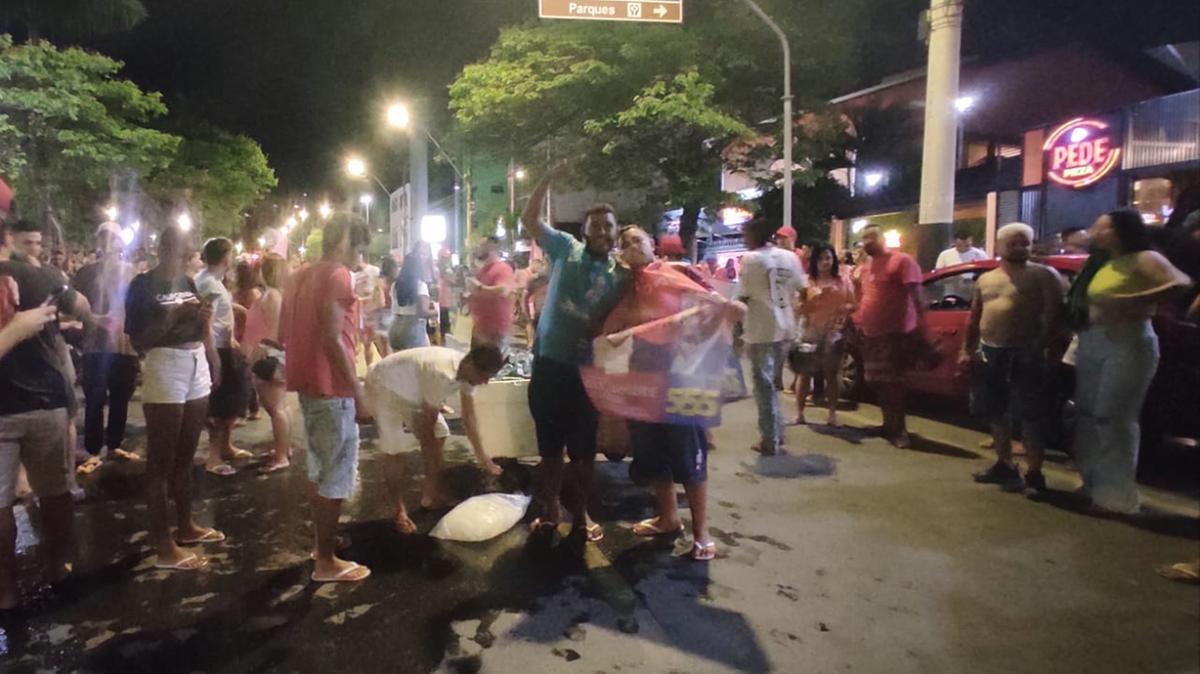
(787, 110)
(939, 156)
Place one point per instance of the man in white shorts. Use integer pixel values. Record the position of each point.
(407, 390)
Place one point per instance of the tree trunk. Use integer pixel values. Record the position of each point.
(689, 222)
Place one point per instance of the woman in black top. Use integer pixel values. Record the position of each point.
(171, 327)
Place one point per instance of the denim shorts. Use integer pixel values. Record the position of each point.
(37, 440)
(1009, 383)
(332, 445)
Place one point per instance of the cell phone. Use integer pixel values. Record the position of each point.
(55, 296)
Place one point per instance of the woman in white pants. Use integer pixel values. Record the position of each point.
(171, 327)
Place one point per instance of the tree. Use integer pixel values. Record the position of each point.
(67, 19)
(653, 107)
(225, 173)
(68, 124)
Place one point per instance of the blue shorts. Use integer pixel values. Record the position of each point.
(563, 415)
(1010, 383)
(332, 445)
(663, 452)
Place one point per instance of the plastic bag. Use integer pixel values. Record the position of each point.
(480, 518)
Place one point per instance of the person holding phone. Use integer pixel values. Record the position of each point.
(34, 394)
(172, 327)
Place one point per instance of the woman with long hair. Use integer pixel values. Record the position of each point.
(828, 301)
(261, 347)
(247, 289)
(171, 326)
(380, 318)
(411, 304)
(1117, 356)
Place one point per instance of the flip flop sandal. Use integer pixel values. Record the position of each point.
(274, 467)
(241, 454)
(88, 467)
(650, 527)
(595, 533)
(1185, 572)
(705, 552)
(542, 525)
(124, 455)
(210, 536)
(344, 576)
(192, 562)
(223, 470)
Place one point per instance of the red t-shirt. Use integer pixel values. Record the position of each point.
(885, 307)
(307, 296)
(493, 313)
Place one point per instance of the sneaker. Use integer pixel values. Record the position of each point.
(1008, 477)
(1036, 481)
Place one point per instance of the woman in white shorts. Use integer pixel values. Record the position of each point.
(171, 327)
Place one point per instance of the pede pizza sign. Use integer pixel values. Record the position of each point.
(1081, 152)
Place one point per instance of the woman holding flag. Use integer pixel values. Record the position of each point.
(660, 365)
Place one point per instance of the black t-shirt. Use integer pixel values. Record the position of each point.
(31, 375)
(162, 312)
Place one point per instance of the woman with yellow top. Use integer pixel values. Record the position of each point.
(1117, 357)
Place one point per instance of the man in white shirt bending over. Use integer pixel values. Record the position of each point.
(770, 279)
(408, 389)
(964, 251)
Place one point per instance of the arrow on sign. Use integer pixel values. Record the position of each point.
(660, 11)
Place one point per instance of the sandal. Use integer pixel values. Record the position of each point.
(123, 455)
(1184, 572)
(210, 536)
(542, 525)
(704, 552)
(651, 527)
(346, 575)
(221, 469)
(192, 562)
(240, 455)
(89, 466)
(595, 533)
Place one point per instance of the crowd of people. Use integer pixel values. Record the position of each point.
(214, 338)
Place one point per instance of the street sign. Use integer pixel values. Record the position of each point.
(665, 11)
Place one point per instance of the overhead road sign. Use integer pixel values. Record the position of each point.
(666, 11)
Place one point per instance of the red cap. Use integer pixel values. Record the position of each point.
(6, 196)
(670, 244)
(786, 232)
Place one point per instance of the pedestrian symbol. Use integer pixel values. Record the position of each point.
(635, 10)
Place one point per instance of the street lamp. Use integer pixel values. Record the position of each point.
(787, 110)
(303, 215)
(356, 167)
(366, 200)
(398, 116)
(112, 213)
(185, 222)
(290, 224)
(325, 210)
(519, 174)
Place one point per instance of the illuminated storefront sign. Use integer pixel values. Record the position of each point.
(1081, 152)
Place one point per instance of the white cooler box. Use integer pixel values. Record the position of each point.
(505, 424)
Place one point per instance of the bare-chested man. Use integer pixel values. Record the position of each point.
(1014, 309)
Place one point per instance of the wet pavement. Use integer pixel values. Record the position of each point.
(846, 556)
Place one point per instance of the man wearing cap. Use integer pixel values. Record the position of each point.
(110, 364)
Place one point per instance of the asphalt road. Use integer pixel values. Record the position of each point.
(847, 556)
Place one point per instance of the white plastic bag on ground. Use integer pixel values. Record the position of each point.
(480, 518)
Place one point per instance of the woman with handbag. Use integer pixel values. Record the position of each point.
(828, 301)
(262, 348)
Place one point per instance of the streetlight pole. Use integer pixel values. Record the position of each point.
(787, 110)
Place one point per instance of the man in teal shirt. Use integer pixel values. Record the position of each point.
(584, 281)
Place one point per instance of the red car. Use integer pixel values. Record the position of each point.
(1172, 404)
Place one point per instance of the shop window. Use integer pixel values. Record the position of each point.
(1153, 198)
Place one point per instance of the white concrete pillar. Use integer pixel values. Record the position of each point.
(941, 122)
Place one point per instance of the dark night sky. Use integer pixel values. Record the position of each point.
(307, 78)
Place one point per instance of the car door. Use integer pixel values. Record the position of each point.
(947, 311)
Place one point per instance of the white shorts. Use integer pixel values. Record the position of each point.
(392, 415)
(175, 376)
